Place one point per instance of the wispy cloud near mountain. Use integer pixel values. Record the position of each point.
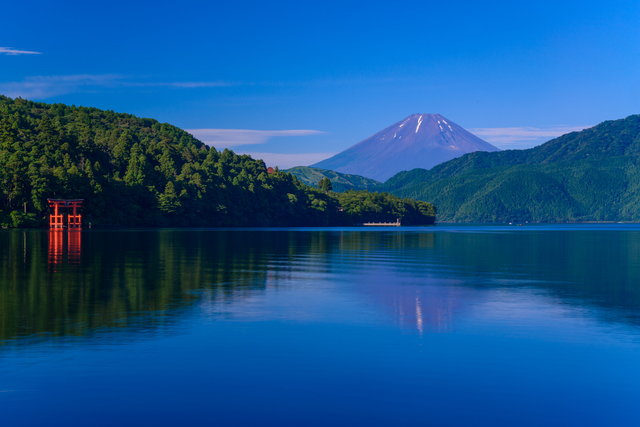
(231, 138)
(11, 51)
(522, 137)
(227, 138)
(289, 160)
(43, 87)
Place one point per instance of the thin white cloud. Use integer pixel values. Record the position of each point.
(522, 137)
(12, 51)
(43, 87)
(227, 138)
(289, 160)
(178, 84)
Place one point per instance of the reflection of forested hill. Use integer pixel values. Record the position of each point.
(600, 267)
(120, 278)
(140, 280)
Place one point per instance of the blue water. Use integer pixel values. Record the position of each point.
(444, 326)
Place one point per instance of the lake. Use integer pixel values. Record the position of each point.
(449, 325)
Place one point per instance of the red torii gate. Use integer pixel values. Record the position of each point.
(56, 219)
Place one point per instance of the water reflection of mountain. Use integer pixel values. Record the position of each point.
(401, 273)
(134, 280)
(429, 308)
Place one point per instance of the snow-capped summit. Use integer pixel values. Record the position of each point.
(419, 141)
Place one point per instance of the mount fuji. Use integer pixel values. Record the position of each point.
(418, 141)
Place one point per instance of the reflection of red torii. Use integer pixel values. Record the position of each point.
(56, 219)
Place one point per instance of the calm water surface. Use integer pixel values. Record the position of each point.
(443, 326)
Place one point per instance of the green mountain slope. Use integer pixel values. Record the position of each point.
(137, 171)
(341, 182)
(591, 175)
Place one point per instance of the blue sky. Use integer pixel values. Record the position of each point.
(294, 82)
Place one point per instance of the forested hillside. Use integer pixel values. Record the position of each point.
(341, 182)
(592, 175)
(138, 172)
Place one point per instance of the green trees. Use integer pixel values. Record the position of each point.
(325, 184)
(136, 171)
(364, 206)
(168, 202)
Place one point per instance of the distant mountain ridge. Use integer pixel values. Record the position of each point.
(341, 182)
(418, 141)
(592, 175)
